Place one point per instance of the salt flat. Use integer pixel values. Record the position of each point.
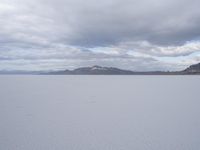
(99, 112)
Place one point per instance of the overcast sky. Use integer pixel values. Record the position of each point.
(139, 35)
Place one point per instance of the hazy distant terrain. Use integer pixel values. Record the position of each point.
(99, 113)
(99, 70)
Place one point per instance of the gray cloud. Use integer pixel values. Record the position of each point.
(131, 34)
(157, 21)
(87, 23)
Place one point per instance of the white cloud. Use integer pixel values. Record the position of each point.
(130, 34)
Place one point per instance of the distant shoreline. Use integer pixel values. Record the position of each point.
(98, 70)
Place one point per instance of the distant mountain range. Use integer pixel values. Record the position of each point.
(98, 70)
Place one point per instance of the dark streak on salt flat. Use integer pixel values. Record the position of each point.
(99, 113)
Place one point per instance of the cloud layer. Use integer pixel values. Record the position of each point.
(131, 34)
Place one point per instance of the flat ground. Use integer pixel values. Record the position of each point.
(99, 113)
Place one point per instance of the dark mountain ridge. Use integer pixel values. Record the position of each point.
(98, 70)
(95, 70)
(193, 69)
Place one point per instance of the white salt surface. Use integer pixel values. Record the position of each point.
(99, 113)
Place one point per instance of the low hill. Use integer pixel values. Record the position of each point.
(193, 69)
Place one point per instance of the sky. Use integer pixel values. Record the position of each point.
(140, 35)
